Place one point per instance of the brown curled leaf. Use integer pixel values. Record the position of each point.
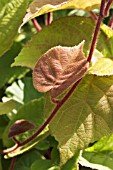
(58, 68)
(19, 127)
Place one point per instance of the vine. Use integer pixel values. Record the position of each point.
(104, 10)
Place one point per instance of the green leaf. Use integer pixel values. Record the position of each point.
(3, 124)
(30, 92)
(11, 15)
(0, 164)
(32, 112)
(102, 67)
(8, 74)
(72, 164)
(100, 155)
(104, 144)
(25, 161)
(99, 161)
(7, 107)
(43, 145)
(41, 164)
(85, 117)
(38, 7)
(55, 156)
(106, 36)
(67, 35)
(65, 32)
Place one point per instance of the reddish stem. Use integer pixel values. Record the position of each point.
(49, 18)
(36, 24)
(106, 11)
(58, 106)
(16, 141)
(97, 29)
(9, 149)
(12, 163)
(92, 14)
(110, 24)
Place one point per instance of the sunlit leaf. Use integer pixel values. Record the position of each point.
(103, 67)
(7, 107)
(97, 160)
(85, 117)
(58, 68)
(72, 163)
(11, 17)
(100, 155)
(38, 7)
(19, 127)
(63, 32)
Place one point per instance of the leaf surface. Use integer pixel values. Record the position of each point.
(100, 155)
(100, 161)
(58, 68)
(7, 107)
(30, 92)
(41, 164)
(85, 117)
(72, 163)
(25, 161)
(38, 7)
(63, 32)
(7, 73)
(11, 15)
(103, 67)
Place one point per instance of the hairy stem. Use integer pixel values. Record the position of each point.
(16, 141)
(93, 15)
(49, 18)
(106, 11)
(110, 24)
(58, 106)
(36, 24)
(96, 32)
(12, 163)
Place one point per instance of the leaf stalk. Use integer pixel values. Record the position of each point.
(97, 29)
(36, 24)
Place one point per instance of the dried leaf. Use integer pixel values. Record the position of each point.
(58, 68)
(20, 126)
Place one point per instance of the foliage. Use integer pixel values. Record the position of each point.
(56, 88)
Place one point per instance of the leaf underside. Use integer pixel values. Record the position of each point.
(19, 127)
(58, 68)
